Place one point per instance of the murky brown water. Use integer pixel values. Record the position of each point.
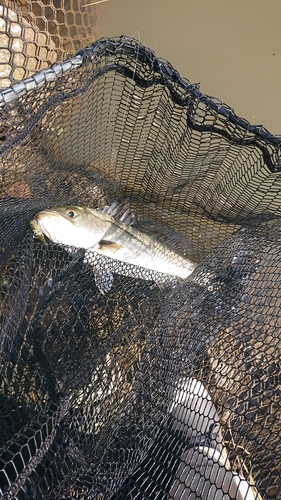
(232, 48)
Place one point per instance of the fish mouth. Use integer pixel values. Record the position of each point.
(37, 224)
(45, 213)
(53, 225)
(37, 230)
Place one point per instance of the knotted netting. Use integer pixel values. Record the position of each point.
(149, 390)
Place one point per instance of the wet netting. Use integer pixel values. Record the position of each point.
(153, 386)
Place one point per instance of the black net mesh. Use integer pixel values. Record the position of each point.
(35, 33)
(150, 390)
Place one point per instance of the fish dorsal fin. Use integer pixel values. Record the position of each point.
(122, 212)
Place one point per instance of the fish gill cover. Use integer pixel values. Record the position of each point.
(151, 389)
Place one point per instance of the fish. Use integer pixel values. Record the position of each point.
(205, 460)
(97, 231)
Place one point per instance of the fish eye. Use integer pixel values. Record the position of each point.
(71, 213)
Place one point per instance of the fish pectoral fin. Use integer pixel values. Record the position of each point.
(105, 246)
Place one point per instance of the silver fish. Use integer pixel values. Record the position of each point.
(87, 228)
